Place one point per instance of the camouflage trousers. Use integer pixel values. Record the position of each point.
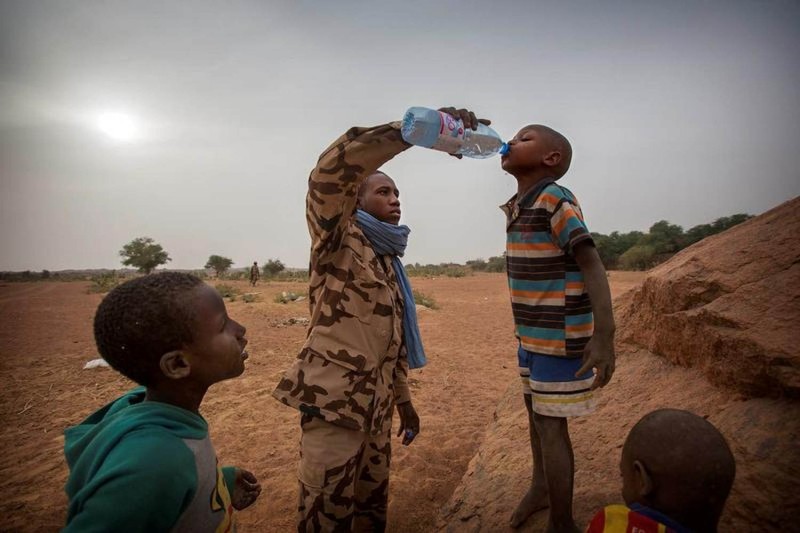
(344, 478)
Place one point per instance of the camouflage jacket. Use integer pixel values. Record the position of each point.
(353, 367)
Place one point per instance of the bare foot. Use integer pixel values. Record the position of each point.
(571, 528)
(534, 500)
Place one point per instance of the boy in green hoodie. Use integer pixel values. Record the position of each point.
(145, 461)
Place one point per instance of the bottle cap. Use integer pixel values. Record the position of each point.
(504, 149)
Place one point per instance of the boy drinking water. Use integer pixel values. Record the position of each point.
(562, 313)
(145, 462)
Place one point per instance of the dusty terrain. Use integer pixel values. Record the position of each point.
(46, 337)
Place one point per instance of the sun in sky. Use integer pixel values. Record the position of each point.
(118, 126)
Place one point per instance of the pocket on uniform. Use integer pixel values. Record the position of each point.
(311, 473)
(334, 350)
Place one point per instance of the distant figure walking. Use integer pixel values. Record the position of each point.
(254, 274)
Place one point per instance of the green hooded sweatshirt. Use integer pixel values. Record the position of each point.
(145, 466)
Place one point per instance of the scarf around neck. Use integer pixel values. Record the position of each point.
(388, 239)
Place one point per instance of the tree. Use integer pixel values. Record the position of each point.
(639, 257)
(611, 247)
(272, 267)
(701, 231)
(665, 238)
(496, 264)
(144, 254)
(219, 264)
(604, 246)
(478, 265)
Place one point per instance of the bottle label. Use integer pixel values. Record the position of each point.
(451, 134)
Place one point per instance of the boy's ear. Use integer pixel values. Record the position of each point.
(175, 365)
(552, 159)
(644, 481)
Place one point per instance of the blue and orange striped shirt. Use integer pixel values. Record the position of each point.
(552, 311)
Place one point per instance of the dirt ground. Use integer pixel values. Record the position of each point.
(46, 338)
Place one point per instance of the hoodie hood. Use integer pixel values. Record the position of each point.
(87, 444)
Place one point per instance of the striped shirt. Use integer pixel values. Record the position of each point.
(636, 519)
(552, 311)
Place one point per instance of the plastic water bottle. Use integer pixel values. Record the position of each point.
(440, 131)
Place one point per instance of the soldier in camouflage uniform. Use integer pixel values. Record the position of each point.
(254, 274)
(353, 369)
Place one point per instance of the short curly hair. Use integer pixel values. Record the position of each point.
(141, 320)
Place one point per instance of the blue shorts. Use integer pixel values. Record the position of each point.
(554, 389)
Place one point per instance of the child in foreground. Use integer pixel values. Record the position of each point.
(677, 471)
(145, 461)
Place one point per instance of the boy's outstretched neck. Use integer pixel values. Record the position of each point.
(527, 182)
(184, 397)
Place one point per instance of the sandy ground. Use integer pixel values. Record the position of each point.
(46, 337)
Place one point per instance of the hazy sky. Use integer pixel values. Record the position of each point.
(680, 110)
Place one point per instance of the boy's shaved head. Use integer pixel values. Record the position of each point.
(557, 142)
(680, 464)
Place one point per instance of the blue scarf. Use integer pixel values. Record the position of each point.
(388, 239)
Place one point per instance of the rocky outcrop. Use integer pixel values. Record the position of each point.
(728, 306)
(762, 432)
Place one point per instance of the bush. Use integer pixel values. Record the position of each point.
(452, 270)
(496, 264)
(639, 257)
(457, 272)
(420, 298)
(286, 296)
(417, 270)
(477, 265)
(26, 275)
(202, 274)
(272, 267)
(291, 275)
(249, 297)
(228, 291)
(103, 283)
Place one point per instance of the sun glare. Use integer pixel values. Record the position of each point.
(118, 126)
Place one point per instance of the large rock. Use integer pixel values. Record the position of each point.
(762, 432)
(729, 306)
